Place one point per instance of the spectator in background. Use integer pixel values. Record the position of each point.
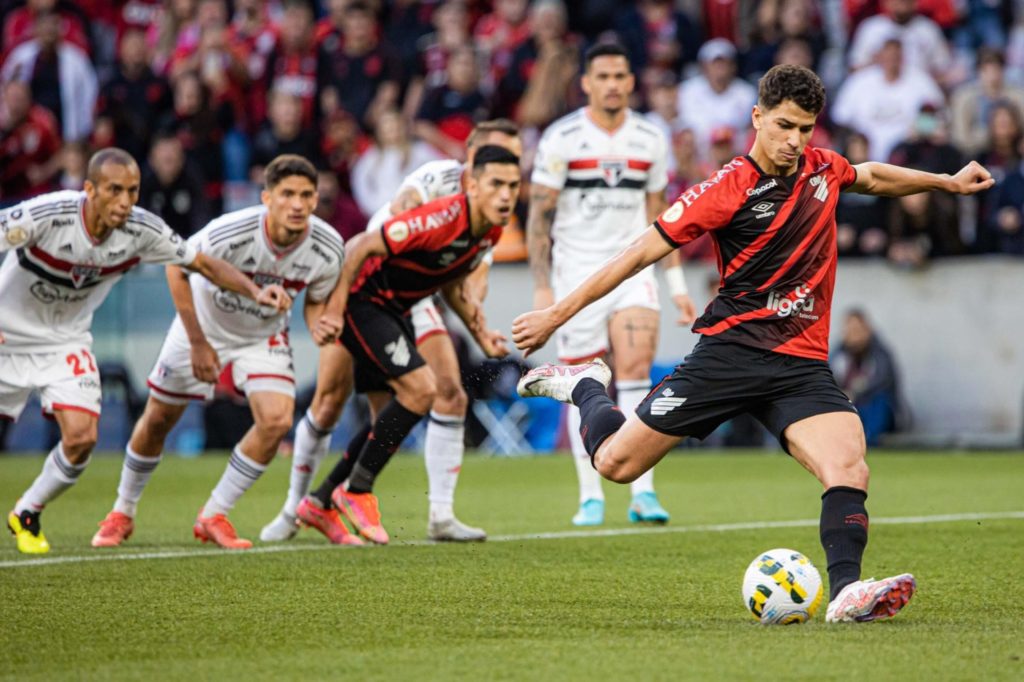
(972, 103)
(498, 34)
(172, 188)
(407, 22)
(883, 100)
(378, 173)
(74, 159)
(861, 218)
(688, 170)
(29, 145)
(657, 35)
(60, 74)
(339, 146)
(337, 208)
(19, 24)
(449, 111)
(452, 31)
(363, 75)
(200, 123)
(133, 99)
(175, 20)
(1001, 229)
(716, 97)
(253, 37)
(925, 46)
(1004, 132)
(925, 225)
(661, 92)
(721, 150)
(866, 371)
(781, 22)
(535, 89)
(283, 133)
(293, 65)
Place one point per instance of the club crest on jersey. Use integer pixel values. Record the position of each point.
(613, 171)
(84, 274)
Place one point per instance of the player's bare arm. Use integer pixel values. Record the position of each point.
(530, 331)
(407, 199)
(357, 251)
(543, 205)
(312, 313)
(888, 180)
(673, 266)
(491, 342)
(226, 276)
(205, 363)
(474, 285)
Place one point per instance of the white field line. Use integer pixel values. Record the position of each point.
(99, 555)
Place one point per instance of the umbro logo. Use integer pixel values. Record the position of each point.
(666, 403)
(763, 210)
(67, 248)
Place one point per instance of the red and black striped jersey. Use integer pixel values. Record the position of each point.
(428, 247)
(775, 238)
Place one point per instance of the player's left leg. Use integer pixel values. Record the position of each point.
(831, 446)
(633, 333)
(272, 416)
(445, 441)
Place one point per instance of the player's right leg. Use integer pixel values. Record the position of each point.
(69, 387)
(445, 447)
(313, 436)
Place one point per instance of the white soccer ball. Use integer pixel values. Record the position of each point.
(782, 586)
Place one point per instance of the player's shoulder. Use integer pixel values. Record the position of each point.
(638, 124)
(726, 189)
(143, 222)
(235, 224)
(439, 167)
(819, 158)
(322, 235)
(564, 127)
(49, 205)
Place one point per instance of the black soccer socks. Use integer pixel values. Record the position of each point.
(599, 416)
(844, 534)
(393, 424)
(343, 468)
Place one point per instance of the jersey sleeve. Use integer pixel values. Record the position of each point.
(168, 248)
(842, 168)
(17, 227)
(657, 176)
(550, 167)
(434, 179)
(702, 208)
(321, 287)
(427, 228)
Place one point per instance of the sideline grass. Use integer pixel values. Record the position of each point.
(655, 606)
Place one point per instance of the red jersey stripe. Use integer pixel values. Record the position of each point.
(67, 266)
(587, 164)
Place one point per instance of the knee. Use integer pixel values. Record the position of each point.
(276, 425)
(78, 442)
(419, 393)
(327, 406)
(451, 399)
(850, 470)
(613, 468)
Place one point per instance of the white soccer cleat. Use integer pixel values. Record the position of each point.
(282, 528)
(871, 599)
(453, 530)
(558, 381)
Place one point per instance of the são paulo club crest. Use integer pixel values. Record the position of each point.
(613, 171)
(82, 275)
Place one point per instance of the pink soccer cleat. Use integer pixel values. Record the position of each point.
(327, 521)
(114, 530)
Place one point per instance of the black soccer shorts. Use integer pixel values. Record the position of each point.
(382, 344)
(720, 380)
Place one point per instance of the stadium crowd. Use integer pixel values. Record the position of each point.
(206, 92)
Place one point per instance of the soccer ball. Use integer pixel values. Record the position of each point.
(782, 586)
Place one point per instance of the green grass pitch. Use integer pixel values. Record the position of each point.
(653, 605)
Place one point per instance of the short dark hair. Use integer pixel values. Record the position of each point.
(114, 155)
(604, 50)
(796, 83)
(492, 153)
(285, 166)
(484, 128)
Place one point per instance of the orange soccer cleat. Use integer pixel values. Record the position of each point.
(114, 530)
(327, 521)
(218, 529)
(362, 512)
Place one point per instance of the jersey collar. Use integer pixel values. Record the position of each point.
(276, 251)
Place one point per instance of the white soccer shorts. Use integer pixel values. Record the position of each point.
(585, 336)
(427, 320)
(65, 380)
(265, 366)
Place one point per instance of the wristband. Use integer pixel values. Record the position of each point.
(675, 280)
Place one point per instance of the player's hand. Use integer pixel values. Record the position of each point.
(687, 310)
(2, 339)
(205, 363)
(492, 343)
(274, 296)
(530, 331)
(543, 298)
(972, 178)
(327, 329)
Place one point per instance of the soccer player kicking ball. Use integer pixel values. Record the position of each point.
(70, 250)
(444, 445)
(417, 253)
(765, 337)
(278, 243)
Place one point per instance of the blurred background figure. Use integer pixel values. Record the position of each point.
(29, 145)
(283, 133)
(866, 371)
(173, 188)
(450, 110)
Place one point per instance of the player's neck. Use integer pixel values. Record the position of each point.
(478, 223)
(96, 229)
(281, 237)
(767, 166)
(607, 120)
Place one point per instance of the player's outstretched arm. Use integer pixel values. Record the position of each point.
(205, 363)
(543, 204)
(226, 276)
(491, 342)
(357, 250)
(885, 179)
(530, 331)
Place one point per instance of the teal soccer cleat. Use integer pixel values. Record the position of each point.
(591, 513)
(645, 508)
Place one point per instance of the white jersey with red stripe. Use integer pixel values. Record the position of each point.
(241, 239)
(603, 178)
(57, 274)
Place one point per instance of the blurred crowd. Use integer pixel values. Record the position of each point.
(205, 92)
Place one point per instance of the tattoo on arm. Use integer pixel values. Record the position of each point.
(543, 205)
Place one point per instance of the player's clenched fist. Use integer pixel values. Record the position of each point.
(274, 296)
(327, 329)
(972, 178)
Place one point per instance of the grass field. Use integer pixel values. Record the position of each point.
(659, 604)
